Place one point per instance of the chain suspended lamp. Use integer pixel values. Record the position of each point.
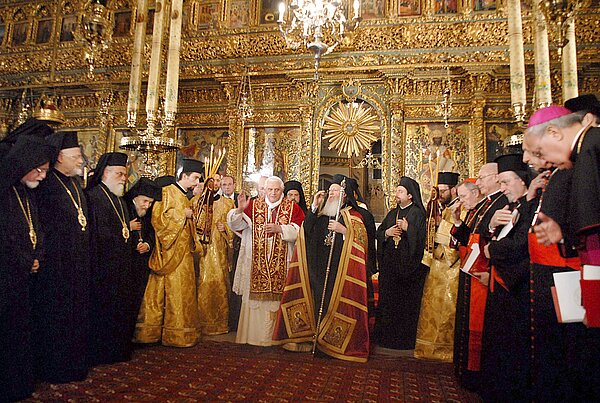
(320, 25)
(444, 108)
(94, 31)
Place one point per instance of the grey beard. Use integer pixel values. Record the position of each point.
(330, 208)
(116, 188)
(140, 211)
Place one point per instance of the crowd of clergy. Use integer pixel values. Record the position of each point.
(483, 275)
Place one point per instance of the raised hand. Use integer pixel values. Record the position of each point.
(548, 232)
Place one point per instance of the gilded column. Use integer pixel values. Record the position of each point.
(236, 150)
(517, 59)
(569, 62)
(172, 85)
(100, 141)
(135, 81)
(155, 64)
(543, 90)
(477, 151)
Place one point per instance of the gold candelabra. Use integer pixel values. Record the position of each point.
(95, 31)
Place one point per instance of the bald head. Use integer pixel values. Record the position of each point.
(487, 180)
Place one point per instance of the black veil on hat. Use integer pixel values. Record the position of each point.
(585, 103)
(413, 189)
(165, 180)
(448, 178)
(63, 140)
(145, 187)
(106, 160)
(514, 162)
(27, 153)
(295, 185)
(31, 127)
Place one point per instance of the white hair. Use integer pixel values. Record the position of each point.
(275, 179)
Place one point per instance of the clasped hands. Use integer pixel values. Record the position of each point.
(397, 229)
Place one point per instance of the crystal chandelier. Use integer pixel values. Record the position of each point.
(95, 31)
(244, 100)
(311, 20)
(557, 13)
(444, 108)
(369, 161)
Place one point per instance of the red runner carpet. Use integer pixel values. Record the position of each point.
(214, 371)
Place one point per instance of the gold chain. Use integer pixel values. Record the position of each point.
(80, 216)
(27, 214)
(125, 230)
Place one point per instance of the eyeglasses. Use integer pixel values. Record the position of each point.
(42, 170)
(484, 176)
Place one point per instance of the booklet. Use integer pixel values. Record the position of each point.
(473, 255)
(568, 297)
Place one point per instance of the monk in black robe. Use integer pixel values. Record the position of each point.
(401, 243)
(21, 250)
(472, 296)
(62, 288)
(140, 199)
(571, 141)
(112, 301)
(505, 357)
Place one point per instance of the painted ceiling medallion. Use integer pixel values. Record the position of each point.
(351, 128)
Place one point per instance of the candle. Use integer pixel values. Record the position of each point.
(356, 8)
(281, 11)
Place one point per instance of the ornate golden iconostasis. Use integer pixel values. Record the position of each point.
(397, 64)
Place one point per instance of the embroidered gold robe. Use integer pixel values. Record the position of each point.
(213, 283)
(435, 331)
(169, 311)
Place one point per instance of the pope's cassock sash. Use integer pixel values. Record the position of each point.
(344, 330)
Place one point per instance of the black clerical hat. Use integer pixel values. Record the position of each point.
(63, 140)
(192, 165)
(514, 163)
(585, 103)
(165, 180)
(413, 189)
(106, 160)
(295, 185)
(28, 152)
(145, 187)
(31, 127)
(447, 178)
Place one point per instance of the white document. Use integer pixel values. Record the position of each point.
(508, 227)
(473, 255)
(568, 291)
(591, 272)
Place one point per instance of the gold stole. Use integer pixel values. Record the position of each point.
(268, 265)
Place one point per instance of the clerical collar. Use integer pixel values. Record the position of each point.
(489, 197)
(181, 188)
(576, 139)
(229, 196)
(404, 208)
(273, 205)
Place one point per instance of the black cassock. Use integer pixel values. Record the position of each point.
(16, 260)
(141, 271)
(505, 357)
(61, 296)
(401, 280)
(112, 296)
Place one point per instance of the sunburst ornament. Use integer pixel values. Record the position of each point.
(351, 127)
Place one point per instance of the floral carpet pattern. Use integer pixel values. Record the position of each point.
(213, 371)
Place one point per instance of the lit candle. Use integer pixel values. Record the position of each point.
(281, 11)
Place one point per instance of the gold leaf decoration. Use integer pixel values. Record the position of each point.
(351, 128)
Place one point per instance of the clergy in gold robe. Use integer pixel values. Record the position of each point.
(169, 311)
(213, 282)
(435, 330)
(270, 224)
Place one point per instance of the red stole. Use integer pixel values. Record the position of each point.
(344, 332)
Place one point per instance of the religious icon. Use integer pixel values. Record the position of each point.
(19, 34)
(122, 23)
(44, 29)
(69, 23)
(409, 7)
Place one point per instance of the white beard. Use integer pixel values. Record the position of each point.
(330, 208)
(32, 184)
(140, 211)
(116, 188)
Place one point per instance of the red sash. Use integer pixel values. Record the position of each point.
(478, 297)
(549, 255)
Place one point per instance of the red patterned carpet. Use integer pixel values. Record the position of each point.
(214, 371)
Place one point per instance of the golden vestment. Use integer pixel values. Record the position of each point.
(169, 311)
(213, 282)
(435, 331)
